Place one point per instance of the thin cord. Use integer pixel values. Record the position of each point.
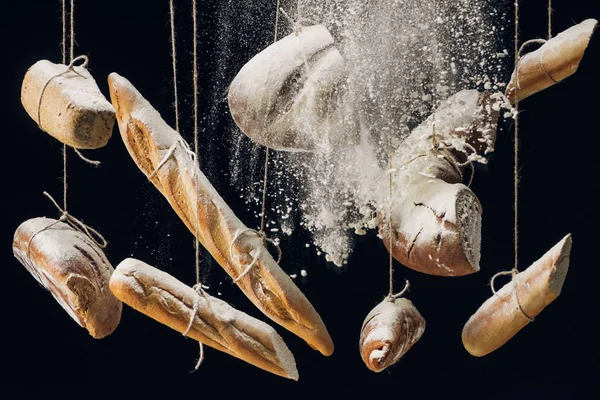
(195, 69)
(391, 245)
(64, 28)
(549, 19)
(174, 57)
(72, 49)
(516, 142)
(266, 168)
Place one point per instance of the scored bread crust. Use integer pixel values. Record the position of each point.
(216, 324)
(150, 142)
(73, 268)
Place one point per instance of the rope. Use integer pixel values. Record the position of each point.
(391, 245)
(198, 288)
(549, 19)
(264, 238)
(174, 59)
(392, 297)
(514, 273)
(516, 141)
(72, 16)
(196, 170)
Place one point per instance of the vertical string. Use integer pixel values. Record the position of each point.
(174, 59)
(549, 19)
(64, 61)
(72, 49)
(266, 167)
(195, 71)
(516, 141)
(391, 245)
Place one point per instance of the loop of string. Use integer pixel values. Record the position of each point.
(513, 273)
(392, 297)
(261, 233)
(540, 60)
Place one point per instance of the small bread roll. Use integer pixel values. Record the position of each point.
(389, 331)
(73, 268)
(68, 105)
(504, 314)
(216, 324)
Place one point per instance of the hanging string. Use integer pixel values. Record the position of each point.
(516, 142)
(174, 59)
(195, 72)
(549, 19)
(64, 61)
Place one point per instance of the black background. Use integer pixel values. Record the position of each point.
(44, 351)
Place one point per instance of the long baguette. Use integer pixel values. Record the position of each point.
(216, 324)
(73, 269)
(161, 154)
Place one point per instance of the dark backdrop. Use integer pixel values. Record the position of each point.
(43, 350)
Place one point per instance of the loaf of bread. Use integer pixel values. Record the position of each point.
(73, 268)
(389, 331)
(163, 156)
(294, 95)
(504, 314)
(68, 105)
(555, 61)
(216, 324)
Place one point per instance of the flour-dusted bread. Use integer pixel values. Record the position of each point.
(216, 324)
(508, 311)
(293, 95)
(555, 61)
(389, 331)
(162, 155)
(436, 219)
(73, 268)
(68, 104)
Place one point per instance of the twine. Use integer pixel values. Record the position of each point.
(391, 297)
(256, 257)
(174, 62)
(514, 273)
(198, 289)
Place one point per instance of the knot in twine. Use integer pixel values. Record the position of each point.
(200, 291)
(170, 153)
(391, 297)
(513, 273)
(265, 240)
(70, 68)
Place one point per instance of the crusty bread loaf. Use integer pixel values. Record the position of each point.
(151, 142)
(73, 268)
(216, 324)
(508, 311)
(389, 331)
(555, 61)
(68, 105)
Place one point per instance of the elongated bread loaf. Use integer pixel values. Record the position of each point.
(507, 312)
(388, 332)
(163, 157)
(73, 268)
(68, 104)
(216, 324)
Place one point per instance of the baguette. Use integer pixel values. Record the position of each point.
(388, 332)
(73, 268)
(515, 305)
(164, 158)
(216, 324)
(67, 104)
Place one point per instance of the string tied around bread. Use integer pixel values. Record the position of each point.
(391, 297)
(257, 254)
(70, 68)
(513, 273)
(170, 153)
(200, 291)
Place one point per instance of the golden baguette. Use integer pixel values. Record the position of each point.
(555, 61)
(216, 324)
(162, 155)
(73, 268)
(508, 311)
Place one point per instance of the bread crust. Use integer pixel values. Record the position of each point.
(73, 268)
(216, 324)
(151, 141)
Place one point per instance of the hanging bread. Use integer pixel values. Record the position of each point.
(436, 219)
(389, 331)
(293, 95)
(216, 324)
(555, 61)
(73, 268)
(67, 104)
(164, 157)
(515, 305)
